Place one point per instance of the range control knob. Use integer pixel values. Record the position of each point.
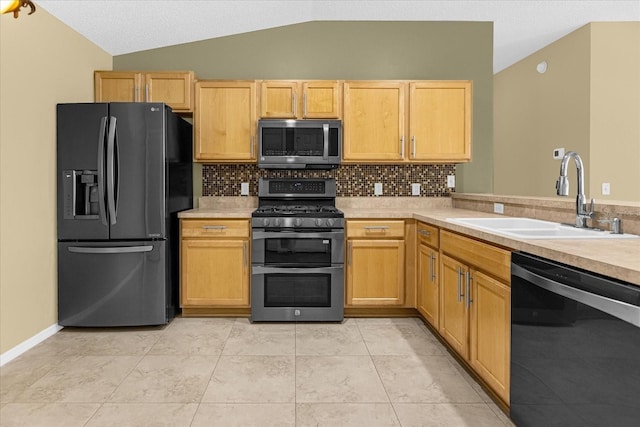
(277, 222)
(298, 222)
(265, 222)
(331, 221)
(318, 222)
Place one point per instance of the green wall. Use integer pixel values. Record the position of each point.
(356, 50)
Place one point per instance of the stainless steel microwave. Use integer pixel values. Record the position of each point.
(299, 144)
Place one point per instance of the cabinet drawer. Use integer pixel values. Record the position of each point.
(214, 228)
(375, 229)
(485, 257)
(428, 234)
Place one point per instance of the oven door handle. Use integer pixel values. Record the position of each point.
(296, 235)
(260, 269)
(620, 309)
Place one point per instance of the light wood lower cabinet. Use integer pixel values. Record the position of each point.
(490, 332)
(215, 265)
(475, 306)
(375, 270)
(428, 274)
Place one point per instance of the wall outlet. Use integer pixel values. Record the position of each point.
(377, 189)
(451, 181)
(415, 189)
(244, 189)
(558, 153)
(606, 189)
(498, 208)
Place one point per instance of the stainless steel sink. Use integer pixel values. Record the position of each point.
(527, 228)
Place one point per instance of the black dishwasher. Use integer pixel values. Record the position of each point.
(575, 346)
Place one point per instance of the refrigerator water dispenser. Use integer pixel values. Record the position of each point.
(80, 189)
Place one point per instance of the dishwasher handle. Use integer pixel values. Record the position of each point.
(622, 310)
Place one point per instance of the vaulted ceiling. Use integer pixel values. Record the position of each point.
(520, 26)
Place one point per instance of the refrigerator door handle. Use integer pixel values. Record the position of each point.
(111, 171)
(110, 250)
(101, 204)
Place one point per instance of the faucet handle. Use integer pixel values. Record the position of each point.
(615, 225)
(592, 207)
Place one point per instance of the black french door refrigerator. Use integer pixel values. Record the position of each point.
(124, 172)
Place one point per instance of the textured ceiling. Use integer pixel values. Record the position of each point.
(520, 27)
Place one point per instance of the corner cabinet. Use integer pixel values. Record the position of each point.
(375, 263)
(299, 99)
(214, 264)
(174, 88)
(225, 121)
(428, 273)
(475, 306)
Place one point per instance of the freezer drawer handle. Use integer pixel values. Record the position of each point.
(110, 250)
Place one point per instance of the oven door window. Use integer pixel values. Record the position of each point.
(297, 290)
(297, 252)
(292, 142)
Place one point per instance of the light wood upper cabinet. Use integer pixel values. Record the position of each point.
(173, 88)
(214, 263)
(295, 99)
(374, 121)
(225, 121)
(375, 261)
(117, 86)
(440, 121)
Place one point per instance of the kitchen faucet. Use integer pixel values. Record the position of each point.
(562, 189)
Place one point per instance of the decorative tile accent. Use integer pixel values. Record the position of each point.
(352, 180)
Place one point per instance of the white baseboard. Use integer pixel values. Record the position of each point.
(16, 351)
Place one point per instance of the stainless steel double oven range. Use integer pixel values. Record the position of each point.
(297, 252)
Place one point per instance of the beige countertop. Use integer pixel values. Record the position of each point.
(617, 258)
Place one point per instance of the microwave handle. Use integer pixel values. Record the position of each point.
(325, 135)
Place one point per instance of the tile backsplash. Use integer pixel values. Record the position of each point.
(353, 180)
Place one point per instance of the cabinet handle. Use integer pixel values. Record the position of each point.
(413, 147)
(402, 146)
(136, 89)
(304, 105)
(459, 284)
(376, 227)
(252, 148)
(293, 104)
(425, 233)
(244, 253)
(469, 278)
(214, 227)
(146, 92)
(350, 252)
(432, 264)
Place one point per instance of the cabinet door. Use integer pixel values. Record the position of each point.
(490, 332)
(374, 121)
(115, 86)
(214, 272)
(428, 289)
(225, 121)
(440, 121)
(174, 89)
(279, 99)
(321, 99)
(375, 272)
(454, 318)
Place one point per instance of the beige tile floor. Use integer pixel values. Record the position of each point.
(227, 372)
